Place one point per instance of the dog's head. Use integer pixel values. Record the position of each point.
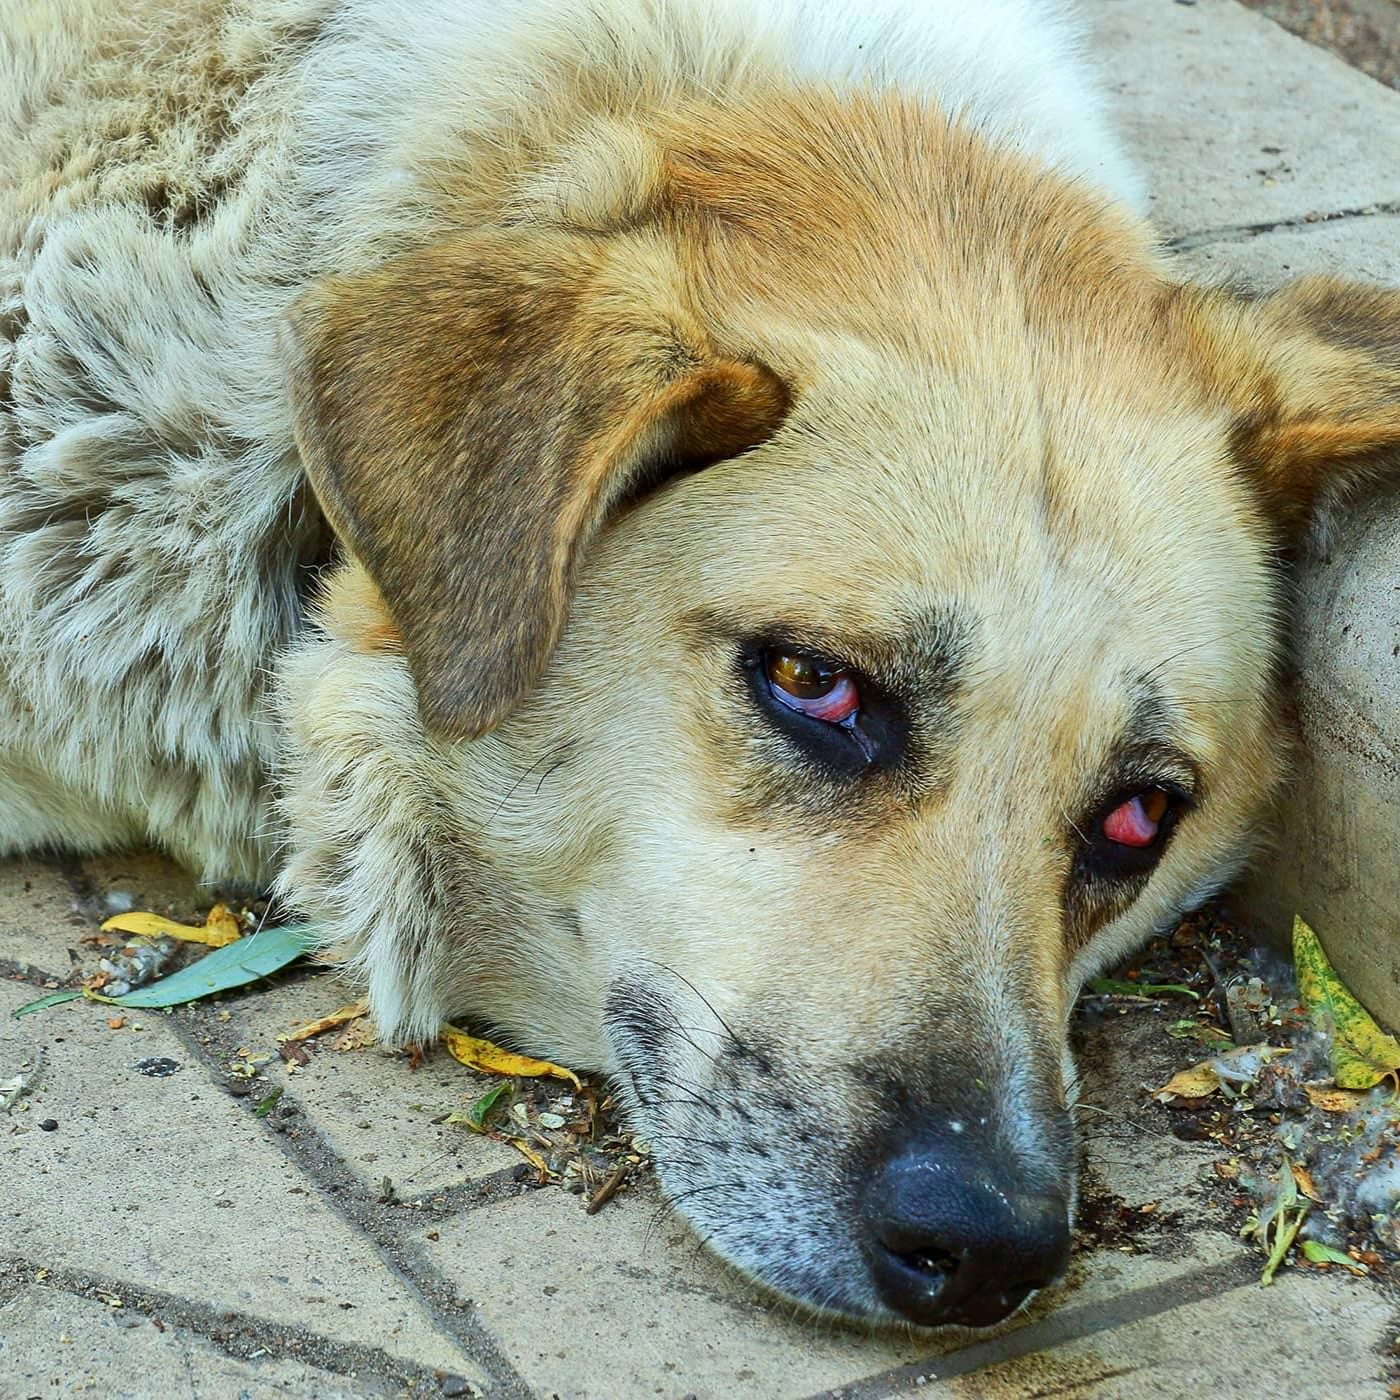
(814, 597)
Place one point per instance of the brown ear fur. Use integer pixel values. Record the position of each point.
(1312, 375)
(469, 413)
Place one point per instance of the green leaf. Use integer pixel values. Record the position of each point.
(481, 1109)
(1315, 1252)
(53, 999)
(234, 965)
(1285, 1232)
(1113, 987)
(265, 1106)
(1362, 1053)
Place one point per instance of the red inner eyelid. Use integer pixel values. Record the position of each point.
(1131, 823)
(835, 707)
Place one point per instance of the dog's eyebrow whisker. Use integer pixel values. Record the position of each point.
(1166, 661)
(515, 786)
(681, 977)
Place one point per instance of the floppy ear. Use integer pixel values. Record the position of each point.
(467, 415)
(1312, 375)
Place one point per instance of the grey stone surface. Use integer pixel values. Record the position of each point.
(39, 918)
(625, 1302)
(168, 1183)
(52, 1343)
(1237, 122)
(370, 1107)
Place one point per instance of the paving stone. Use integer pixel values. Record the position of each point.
(53, 1343)
(39, 918)
(168, 1183)
(1237, 121)
(1308, 1338)
(625, 1302)
(1366, 249)
(147, 881)
(371, 1108)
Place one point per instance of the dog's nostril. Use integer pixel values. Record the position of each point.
(934, 1262)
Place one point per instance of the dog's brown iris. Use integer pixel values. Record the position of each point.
(812, 687)
(801, 676)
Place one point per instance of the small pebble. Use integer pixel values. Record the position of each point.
(48, 1125)
(456, 1385)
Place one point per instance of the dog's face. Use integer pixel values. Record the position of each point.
(916, 546)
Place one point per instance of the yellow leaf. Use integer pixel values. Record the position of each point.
(1198, 1082)
(1333, 1100)
(491, 1059)
(1362, 1053)
(219, 929)
(328, 1022)
(529, 1154)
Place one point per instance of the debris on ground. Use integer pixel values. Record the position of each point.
(22, 1083)
(220, 927)
(492, 1059)
(1309, 1160)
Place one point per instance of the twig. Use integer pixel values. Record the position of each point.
(608, 1189)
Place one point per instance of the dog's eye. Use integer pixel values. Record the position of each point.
(811, 687)
(1137, 823)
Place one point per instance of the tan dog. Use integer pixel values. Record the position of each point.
(808, 583)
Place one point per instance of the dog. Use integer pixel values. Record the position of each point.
(706, 537)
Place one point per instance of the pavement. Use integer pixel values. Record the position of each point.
(162, 1239)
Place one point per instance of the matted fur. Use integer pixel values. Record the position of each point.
(615, 338)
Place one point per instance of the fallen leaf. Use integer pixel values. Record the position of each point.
(475, 1117)
(234, 965)
(1113, 987)
(491, 1059)
(328, 1022)
(357, 1035)
(1315, 1252)
(1198, 1082)
(1333, 1100)
(218, 930)
(53, 999)
(115, 1023)
(265, 1106)
(1302, 1178)
(529, 1154)
(1362, 1053)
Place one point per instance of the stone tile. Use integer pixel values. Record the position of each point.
(1307, 1337)
(170, 1184)
(370, 1106)
(1237, 121)
(1366, 249)
(39, 917)
(55, 1344)
(625, 1302)
(147, 881)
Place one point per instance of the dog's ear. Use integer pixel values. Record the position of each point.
(1312, 377)
(469, 413)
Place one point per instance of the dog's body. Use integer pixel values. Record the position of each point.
(502, 279)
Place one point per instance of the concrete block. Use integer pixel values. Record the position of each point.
(1239, 123)
(163, 1181)
(40, 921)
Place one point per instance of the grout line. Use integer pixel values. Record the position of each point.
(237, 1334)
(1066, 1325)
(343, 1193)
(1242, 233)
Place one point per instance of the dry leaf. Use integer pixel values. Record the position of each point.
(1333, 1100)
(1303, 1180)
(1362, 1053)
(328, 1022)
(358, 1035)
(218, 930)
(1198, 1082)
(491, 1059)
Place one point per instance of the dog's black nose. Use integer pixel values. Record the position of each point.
(955, 1237)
